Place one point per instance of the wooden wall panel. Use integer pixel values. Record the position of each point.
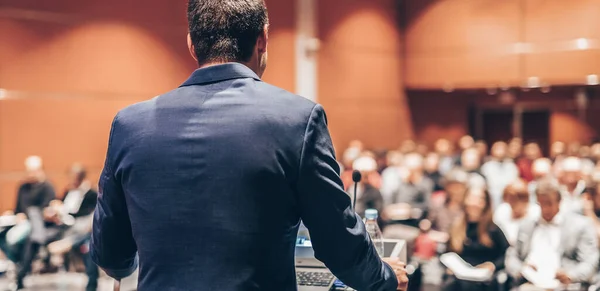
(462, 43)
(483, 43)
(70, 66)
(552, 27)
(281, 68)
(360, 72)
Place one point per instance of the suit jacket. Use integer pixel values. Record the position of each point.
(578, 248)
(208, 183)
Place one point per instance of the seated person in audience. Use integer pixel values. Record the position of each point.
(411, 200)
(571, 185)
(466, 142)
(517, 208)
(442, 216)
(355, 148)
(79, 203)
(477, 240)
(482, 147)
(367, 196)
(515, 148)
(392, 176)
(558, 150)
(595, 153)
(591, 208)
(471, 161)
(531, 152)
(431, 166)
(560, 245)
(499, 171)
(542, 170)
(34, 194)
(445, 150)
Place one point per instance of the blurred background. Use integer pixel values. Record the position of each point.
(393, 75)
(385, 70)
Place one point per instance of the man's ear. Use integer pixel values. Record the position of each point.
(191, 47)
(263, 40)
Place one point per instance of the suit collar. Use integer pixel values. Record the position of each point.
(218, 73)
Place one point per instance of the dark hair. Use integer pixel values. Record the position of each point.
(458, 231)
(80, 172)
(225, 30)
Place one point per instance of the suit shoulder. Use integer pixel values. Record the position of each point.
(135, 111)
(282, 96)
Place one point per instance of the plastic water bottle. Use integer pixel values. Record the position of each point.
(373, 230)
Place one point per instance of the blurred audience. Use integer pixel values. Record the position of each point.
(477, 240)
(541, 170)
(591, 207)
(531, 152)
(444, 214)
(572, 185)
(34, 194)
(432, 170)
(558, 246)
(476, 204)
(78, 204)
(445, 149)
(367, 195)
(392, 175)
(414, 191)
(499, 171)
(517, 208)
(454, 197)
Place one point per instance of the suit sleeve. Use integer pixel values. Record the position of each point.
(112, 246)
(338, 235)
(587, 254)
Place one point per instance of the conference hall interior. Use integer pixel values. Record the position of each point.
(464, 118)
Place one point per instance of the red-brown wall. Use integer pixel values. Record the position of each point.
(475, 43)
(360, 72)
(69, 66)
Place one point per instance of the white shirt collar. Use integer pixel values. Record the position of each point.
(556, 221)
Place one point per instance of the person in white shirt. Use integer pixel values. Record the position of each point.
(392, 176)
(572, 185)
(517, 208)
(499, 171)
(542, 170)
(560, 248)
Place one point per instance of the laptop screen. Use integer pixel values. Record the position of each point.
(303, 245)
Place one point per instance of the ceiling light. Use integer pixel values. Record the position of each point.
(582, 44)
(592, 80)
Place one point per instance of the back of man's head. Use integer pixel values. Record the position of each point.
(225, 30)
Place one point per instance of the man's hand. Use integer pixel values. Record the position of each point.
(21, 217)
(8, 213)
(563, 277)
(400, 271)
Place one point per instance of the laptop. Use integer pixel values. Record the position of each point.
(313, 275)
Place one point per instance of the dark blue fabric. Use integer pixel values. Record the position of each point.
(208, 184)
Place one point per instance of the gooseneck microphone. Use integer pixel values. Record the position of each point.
(356, 177)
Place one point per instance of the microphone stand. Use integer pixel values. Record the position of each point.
(355, 189)
(117, 286)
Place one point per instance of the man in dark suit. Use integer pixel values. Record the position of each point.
(205, 185)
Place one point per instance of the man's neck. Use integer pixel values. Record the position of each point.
(212, 64)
